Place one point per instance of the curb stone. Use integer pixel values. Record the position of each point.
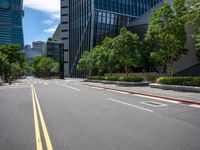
(176, 87)
(120, 82)
(182, 101)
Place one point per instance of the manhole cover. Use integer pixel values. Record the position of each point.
(154, 104)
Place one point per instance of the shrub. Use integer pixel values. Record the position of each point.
(117, 78)
(131, 79)
(186, 81)
(111, 78)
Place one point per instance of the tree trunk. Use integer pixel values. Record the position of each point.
(111, 71)
(126, 68)
(3, 72)
(90, 72)
(170, 67)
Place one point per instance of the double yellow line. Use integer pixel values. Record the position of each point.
(36, 111)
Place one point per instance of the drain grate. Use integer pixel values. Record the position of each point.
(154, 104)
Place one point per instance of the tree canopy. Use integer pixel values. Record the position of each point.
(45, 67)
(12, 60)
(167, 35)
(192, 17)
(122, 50)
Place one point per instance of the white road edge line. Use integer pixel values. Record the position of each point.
(118, 91)
(45, 83)
(69, 87)
(135, 106)
(195, 105)
(97, 88)
(156, 98)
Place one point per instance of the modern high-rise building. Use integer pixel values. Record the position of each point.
(39, 46)
(11, 29)
(85, 23)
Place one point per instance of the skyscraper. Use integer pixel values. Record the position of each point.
(85, 23)
(11, 14)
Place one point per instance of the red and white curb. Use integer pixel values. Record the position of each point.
(150, 96)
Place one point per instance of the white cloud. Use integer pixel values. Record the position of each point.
(51, 7)
(48, 22)
(51, 30)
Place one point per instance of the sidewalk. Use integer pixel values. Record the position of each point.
(152, 91)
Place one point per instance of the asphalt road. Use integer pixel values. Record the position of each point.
(66, 115)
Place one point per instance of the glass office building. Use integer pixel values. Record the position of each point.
(91, 20)
(11, 14)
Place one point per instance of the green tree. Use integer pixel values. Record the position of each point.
(192, 17)
(86, 62)
(99, 57)
(127, 45)
(3, 63)
(167, 34)
(45, 67)
(110, 55)
(13, 60)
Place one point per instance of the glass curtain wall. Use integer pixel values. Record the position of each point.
(109, 16)
(11, 14)
(80, 31)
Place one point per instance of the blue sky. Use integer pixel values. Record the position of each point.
(40, 20)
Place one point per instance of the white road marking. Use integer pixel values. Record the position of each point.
(158, 104)
(97, 88)
(75, 83)
(156, 98)
(135, 106)
(118, 91)
(195, 105)
(69, 87)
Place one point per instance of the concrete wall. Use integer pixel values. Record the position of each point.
(65, 34)
(56, 36)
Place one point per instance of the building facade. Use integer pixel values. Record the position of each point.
(11, 28)
(90, 21)
(38, 46)
(64, 34)
(55, 50)
(30, 53)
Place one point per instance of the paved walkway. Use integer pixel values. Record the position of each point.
(154, 91)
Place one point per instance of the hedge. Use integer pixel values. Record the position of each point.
(185, 81)
(118, 78)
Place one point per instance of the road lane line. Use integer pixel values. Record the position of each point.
(37, 129)
(118, 91)
(45, 83)
(135, 106)
(69, 87)
(194, 105)
(156, 98)
(44, 128)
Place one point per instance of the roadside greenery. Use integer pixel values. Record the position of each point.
(12, 61)
(45, 67)
(166, 34)
(185, 81)
(192, 17)
(118, 78)
(163, 45)
(122, 50)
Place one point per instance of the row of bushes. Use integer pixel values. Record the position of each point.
(118, 78)
(186, 81)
